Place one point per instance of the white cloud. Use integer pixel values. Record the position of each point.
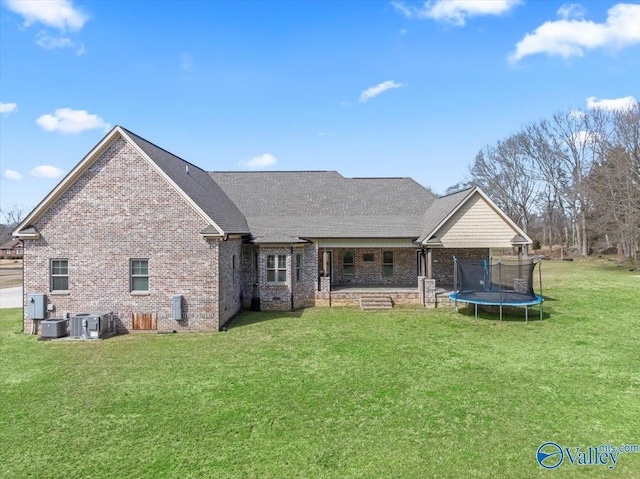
(456, 12)
(60, 14)
(66, 120)
(47, 171)
(8, 107)
(259, 162)
(12, 175)
(376, 90)
(566, 38)
(50, 43)
(615, 104)
(585, 139)
(571, 10)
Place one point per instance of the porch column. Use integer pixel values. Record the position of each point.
(325, 263)
(429, 264)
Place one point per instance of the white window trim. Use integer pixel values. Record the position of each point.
(276, 269)
(52, 275)
(140, 292)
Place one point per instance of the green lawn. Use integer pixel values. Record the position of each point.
(336, 392)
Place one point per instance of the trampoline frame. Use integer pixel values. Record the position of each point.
(459, 296)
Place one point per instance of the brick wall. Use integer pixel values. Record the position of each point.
(250, 281)
(278, 296)
(370, 272)
(230, 283)
(305, 289)
(119, 209)
(274, 296)
(442, 260)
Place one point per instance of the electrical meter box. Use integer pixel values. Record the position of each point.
(177, 307)
(36, 306)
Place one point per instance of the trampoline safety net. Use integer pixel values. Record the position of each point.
(495, 281)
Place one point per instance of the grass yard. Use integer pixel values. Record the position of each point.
(336, 393)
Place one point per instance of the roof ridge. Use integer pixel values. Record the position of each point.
(380, 178)
(275, 171)
(456, 192)
(129, 132)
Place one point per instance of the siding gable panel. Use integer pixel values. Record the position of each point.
(476, 225)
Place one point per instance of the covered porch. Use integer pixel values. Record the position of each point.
(389, 273)
(386, 297)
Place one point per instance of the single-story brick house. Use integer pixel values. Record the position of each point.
(11, 249)
(132, 226)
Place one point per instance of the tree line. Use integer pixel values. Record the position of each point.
(571, 181)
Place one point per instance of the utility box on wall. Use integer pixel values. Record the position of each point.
(177, 307)
(36, 306)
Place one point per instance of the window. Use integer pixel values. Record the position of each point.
(139, 275)
(233, 269)
(59, 274)
(298, 268)
(387, 264)
(348, 268)
(276, 268)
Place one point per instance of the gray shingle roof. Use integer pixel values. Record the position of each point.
(198, 185)
(321, 204)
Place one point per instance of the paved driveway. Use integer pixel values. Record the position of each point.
(11, 297)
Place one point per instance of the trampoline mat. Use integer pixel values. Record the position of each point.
(509, 298)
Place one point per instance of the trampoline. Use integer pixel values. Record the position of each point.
(490, 282)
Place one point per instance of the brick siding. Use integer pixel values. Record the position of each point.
(369, 273)
(442, 260)
(121, 208)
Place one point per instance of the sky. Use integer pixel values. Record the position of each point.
(367, 88)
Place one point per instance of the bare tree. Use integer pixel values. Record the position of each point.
(9, 219)
(504, 171)
(614, 182)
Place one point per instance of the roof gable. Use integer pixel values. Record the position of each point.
(197, 186)
(167, 165)
(473, 220)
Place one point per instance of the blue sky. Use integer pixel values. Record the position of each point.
(368, 88)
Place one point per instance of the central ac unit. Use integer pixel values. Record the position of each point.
(92, 325)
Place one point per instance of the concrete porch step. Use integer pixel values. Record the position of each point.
(375, 301)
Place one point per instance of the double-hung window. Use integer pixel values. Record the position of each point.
(348, 266)
(59, 275)
(298, 268)
(139, 269)
(276, 268)
(387, 264)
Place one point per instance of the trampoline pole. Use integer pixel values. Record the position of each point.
(540, 276)
(500, 285)
(455, 281)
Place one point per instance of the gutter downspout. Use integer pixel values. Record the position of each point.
(292, 275)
